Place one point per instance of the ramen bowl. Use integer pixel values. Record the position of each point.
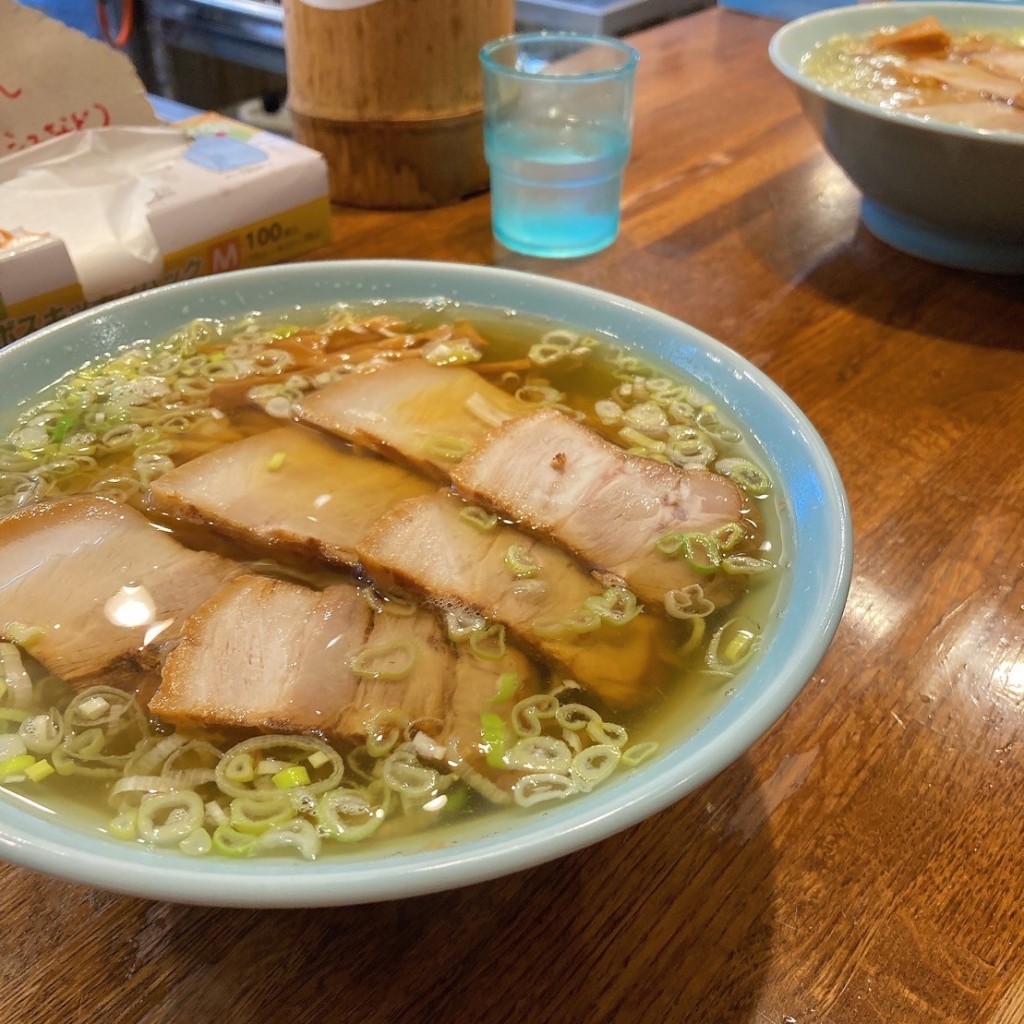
(946, 193)
(815, 538)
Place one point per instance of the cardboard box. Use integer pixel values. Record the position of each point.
(237, 197)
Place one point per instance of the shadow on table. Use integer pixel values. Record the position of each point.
(795, 234)
(670, 920)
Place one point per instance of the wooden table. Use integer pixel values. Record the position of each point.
(863, 862)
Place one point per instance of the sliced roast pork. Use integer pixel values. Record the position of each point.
(289, 488)
(89, 585)
(428, 545)
(276, 656)
(967, 79)
(406, 664)
(549, 472)
(266, 654)
(477, 691)
(423, 415)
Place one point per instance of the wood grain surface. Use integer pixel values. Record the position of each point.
(863, 863)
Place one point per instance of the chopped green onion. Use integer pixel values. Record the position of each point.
(698, 627)
(608, 412)
(64, 424)
(478, 517)
(347, 815)
(508, 686)
(616, 606)
(642, 441)
(451, 449)
(39, 771)
(391, 660)
(125, 824)
(727, 536)
(520, 563)
(609, 734)
(492, 739)
(93, 708)
(254, 815)
(232, 843)
(648, 418)
(240, 768)
(16, 765)
(746, 565)
(528, 713)
(318, 759)
(169, 817)
(698, 549)
(540, 754)
(384, 730)
(276, 461)
(196, 844)
(540, 787)
(403, 774)
(277, 753)
(745, 475)
(299, 834)
(544, 353)
(62, 763)
(688, 603)
(446, 353)
(539, 394)
(291, 777)
(488, 643)
(593, 765)
(638, 753)
(463, 623)
(732, 645)
(22, 635)
(17, 682)
(576, 717)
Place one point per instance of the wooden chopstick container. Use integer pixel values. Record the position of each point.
(390, 92)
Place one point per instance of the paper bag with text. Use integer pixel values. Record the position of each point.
(55, 80)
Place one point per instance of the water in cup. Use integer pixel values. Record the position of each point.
(555, 189)
(557, 128)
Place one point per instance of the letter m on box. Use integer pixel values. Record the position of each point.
(225, 255)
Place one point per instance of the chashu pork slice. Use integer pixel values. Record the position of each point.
(289, 488)
(412, 411)
(426, 544)
(96, 585)
(407, 665)
(275, 656)
(480, 687)
(551, 473)
(266, 654)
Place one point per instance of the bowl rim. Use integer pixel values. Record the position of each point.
(824, 574)
(907, 9)
(629, 57)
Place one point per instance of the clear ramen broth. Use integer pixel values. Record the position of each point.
(165, 744)
(970, 78)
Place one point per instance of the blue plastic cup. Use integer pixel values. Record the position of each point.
(558, 119)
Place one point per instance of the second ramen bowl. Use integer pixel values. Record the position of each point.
(943, 192)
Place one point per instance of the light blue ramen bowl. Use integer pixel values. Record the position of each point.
(946, 193)
(816, 536)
